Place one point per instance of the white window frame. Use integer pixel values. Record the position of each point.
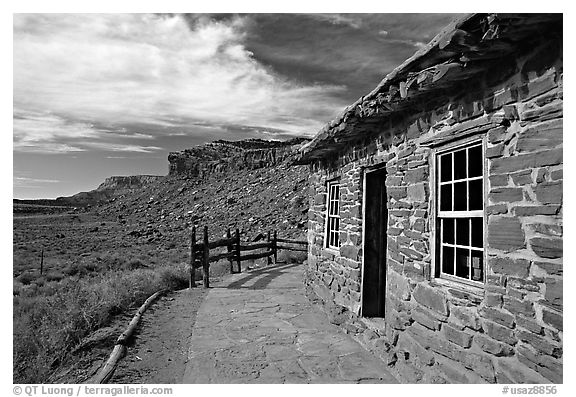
(439, 215)
(333, 221)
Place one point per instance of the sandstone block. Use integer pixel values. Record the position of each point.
(522, 177)
(416, 175)
(498, 316)
(491, 346)
(554, 291)
(419, 225)
(505, 195)
(496, 135)
(540, 344)
(497, 209)
(417, 192)
(398, 286)
(536, 210)
(320, 199)
(554, 319)
(412, 254)
(509, 266)
(547, 247)
(349, 251)
(529, 324)
(519, 162)
(465, 316)
(498, 180)
(397, 192)
(499, 332)
(542, 136)
(431, 298)
(456, 336)
(544, 365)
(505, 233)
(407, 344)
(548, 229)
(553, 269)
(517, 306)
(492, 299)
(556, 175)
(480, 364)
(426, 318)
(392, 180)
(549, 192)
(495, 151)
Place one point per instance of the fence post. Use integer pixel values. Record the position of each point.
(206, 263)
(269, 249)
(229, 249)
(238, 250)
(192, 281)
(275, 246)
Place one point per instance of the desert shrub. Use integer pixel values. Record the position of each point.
(175, 277)
(53, 276)
(26, 278)
(134, 264)
(285, 256)
(50, 320)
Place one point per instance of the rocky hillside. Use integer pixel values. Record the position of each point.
(250, 185)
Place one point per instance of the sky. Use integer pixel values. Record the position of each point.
(96, 95)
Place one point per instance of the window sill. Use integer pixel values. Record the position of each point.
(333, 251)
(467, 288)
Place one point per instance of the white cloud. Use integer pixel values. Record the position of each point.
(20, 181)
(155, 70)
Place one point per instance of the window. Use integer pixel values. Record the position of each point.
(460, 215)
(333, 218)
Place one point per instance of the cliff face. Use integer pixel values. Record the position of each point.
(127, 182)
(222, 156)
(111, 187)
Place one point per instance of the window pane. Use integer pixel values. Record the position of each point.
(475, 161)
(477, 266)
(446, 198)
(460, 164)
(460, 196)
(462, 231)
(475, 194)
(448, 230)
(446, 167)
(462, 256)
(448, 260)
(477, 232)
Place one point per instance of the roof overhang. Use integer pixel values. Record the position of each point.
(462, 51)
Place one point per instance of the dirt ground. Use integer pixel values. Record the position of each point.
(159, 350)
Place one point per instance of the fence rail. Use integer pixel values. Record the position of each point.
(200, 252)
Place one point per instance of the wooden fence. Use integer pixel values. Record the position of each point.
(200, 256)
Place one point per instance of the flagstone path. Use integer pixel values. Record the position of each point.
(259, 327)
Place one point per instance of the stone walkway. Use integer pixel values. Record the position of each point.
(259, 327)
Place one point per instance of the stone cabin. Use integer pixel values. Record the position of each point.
(435, 220)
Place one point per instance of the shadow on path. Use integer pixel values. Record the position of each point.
(269, 272)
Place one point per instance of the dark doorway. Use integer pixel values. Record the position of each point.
(375, 226)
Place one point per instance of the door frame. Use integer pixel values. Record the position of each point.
(367, 170)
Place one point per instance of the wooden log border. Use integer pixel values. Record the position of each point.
(119, 350)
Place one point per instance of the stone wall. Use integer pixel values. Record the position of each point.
(509, 331)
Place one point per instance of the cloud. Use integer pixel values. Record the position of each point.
(48, 133)
(24, 182)
(73, 72)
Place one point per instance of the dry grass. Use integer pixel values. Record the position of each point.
(54, 312)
